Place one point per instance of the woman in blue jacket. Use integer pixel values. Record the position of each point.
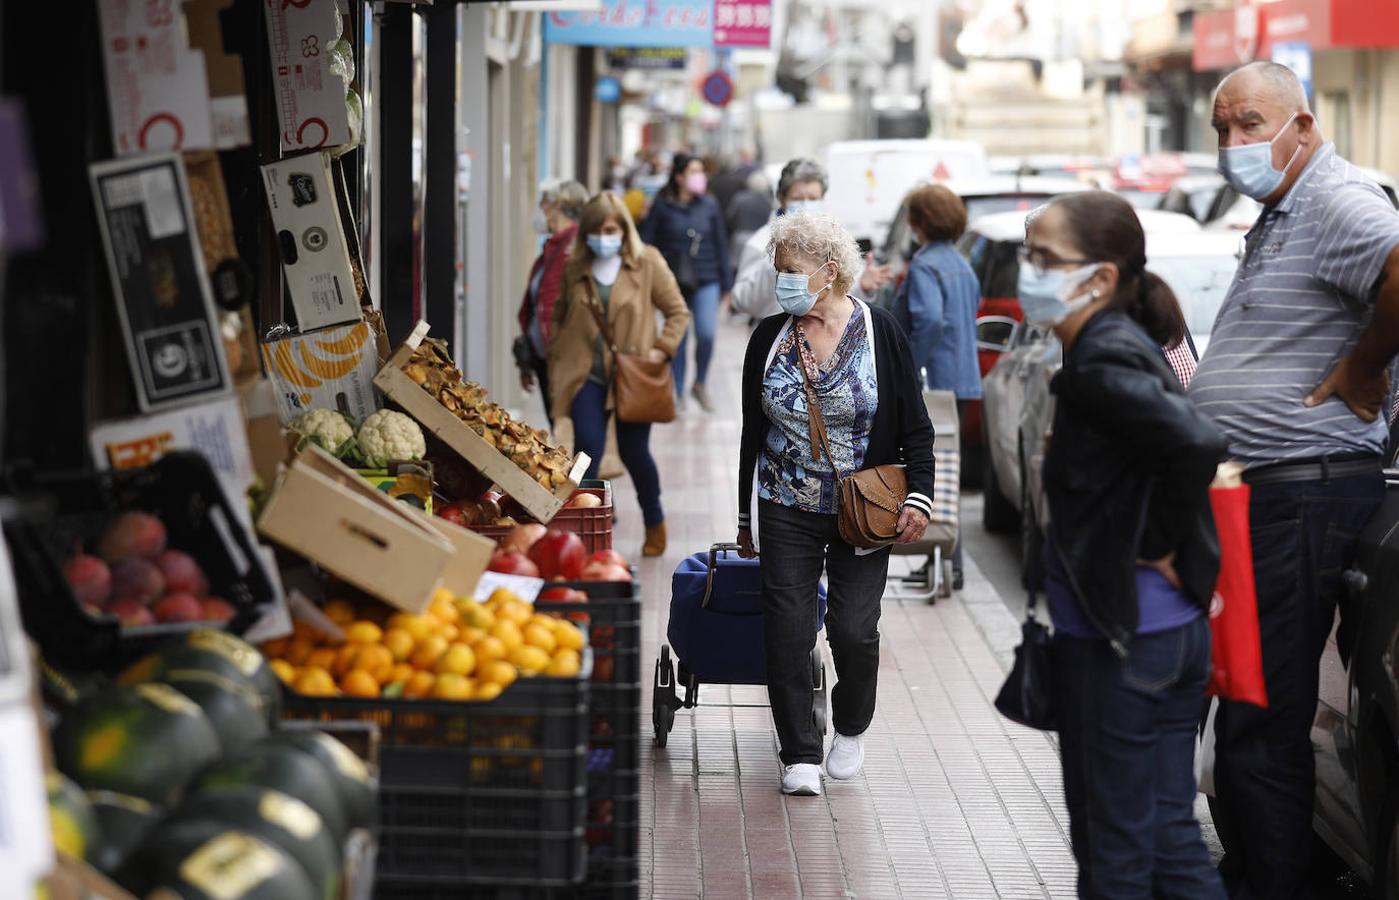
(687, 226)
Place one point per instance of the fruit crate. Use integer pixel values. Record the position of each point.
(614, 740)
(480, 795)
(592, 524)
(182, 490)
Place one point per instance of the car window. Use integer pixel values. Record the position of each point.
(1200, 284)
(999, 203)
(1223, 202)
(1141, 199)
(1002, 273)
(973, 247)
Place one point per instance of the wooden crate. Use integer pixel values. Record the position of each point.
(490, 462)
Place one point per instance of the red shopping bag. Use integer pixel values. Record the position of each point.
(1238, 654)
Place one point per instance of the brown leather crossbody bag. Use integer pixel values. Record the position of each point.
(644, 390)
(868, 501)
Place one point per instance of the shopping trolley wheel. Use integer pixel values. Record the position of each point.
(818, 696)
(945, 589)
(663, 701)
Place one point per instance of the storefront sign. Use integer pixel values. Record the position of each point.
(158, 279)
(1297, 57)
(633, 23)
(742, 23)
(648, 58)
(1227, 39)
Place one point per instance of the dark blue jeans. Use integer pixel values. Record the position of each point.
(704, 312)
(1265, 774)
(1127, 740)
(590, 415)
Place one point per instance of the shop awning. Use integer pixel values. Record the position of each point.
(1231, 38)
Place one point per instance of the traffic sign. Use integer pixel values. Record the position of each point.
(717, 88)
(607, 89)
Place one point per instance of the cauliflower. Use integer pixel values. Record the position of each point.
(387, 435)
(333, 431)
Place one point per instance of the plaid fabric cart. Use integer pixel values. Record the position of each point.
(943, 532)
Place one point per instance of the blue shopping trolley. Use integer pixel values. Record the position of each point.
(716, 635)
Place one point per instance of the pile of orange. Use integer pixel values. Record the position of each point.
(458, 649)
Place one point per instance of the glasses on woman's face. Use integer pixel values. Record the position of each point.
(1043, 260)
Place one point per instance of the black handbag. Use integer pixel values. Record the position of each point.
(1026, 696)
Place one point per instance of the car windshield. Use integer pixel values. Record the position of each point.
(1199, 283)
(999, 203)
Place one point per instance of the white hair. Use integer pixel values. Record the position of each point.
(819, 238)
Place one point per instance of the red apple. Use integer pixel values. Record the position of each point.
(610, 557)
(601, 571)
(559, 554)
(179, 607)
(453, 513)
(584, 500)
(512, 562)
(217, 609)
(135, 534)
(565, 595)
(182, 573)
(89, 578)
(130, 612)
(522, 538)
(137, 579)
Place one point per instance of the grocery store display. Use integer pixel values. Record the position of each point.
(231, 865)
(389, 435)
(288, 770)
(124, 822)
(351, 776)
(222, 656)
(72, 819)
(331, 430)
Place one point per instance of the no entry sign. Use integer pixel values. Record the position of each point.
(717, 88)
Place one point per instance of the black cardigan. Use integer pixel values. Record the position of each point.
(901, 432)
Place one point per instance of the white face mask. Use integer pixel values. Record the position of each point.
(1048, 299)
(1249, 168)
(540, 222)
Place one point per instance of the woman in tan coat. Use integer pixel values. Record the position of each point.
(630, 281)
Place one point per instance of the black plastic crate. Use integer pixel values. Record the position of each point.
(180, 489)
(484, 795)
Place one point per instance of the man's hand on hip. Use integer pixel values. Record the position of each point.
(1364, 391)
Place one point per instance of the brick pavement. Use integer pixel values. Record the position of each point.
(954, 801)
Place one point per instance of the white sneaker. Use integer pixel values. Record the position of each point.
(802, 780)
(847, 756)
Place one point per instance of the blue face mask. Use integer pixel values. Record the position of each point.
(809, 206)
(1249, 169)
(605, 246)
(794, 293)
(1048, 299)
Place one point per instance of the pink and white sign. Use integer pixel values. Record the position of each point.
(310, 97)
(742, 23)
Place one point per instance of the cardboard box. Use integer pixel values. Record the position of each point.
(310, 98)
(262, 421)
(322, 510)
(228, 106)
(159, 281)
(332, 368)
(157, 87)
(311, 240)
(490, 462)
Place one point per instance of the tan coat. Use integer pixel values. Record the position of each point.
(643, 286)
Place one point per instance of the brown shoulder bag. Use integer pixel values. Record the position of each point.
(869, 501)
(644, 390)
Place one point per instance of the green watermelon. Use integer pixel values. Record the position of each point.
(234, 708)
(188, 862)
(72, 818)
(276, 818)
(146, 740)
(215, 651)
(285, 769)
(351, 775)
(125, 821)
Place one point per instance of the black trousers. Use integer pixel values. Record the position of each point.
(541, 377)
(795, 547)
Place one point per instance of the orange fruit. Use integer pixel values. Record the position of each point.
(363, 632)
(345, 660)
(458, 660)
(283, 670)
(477, 616)
(276, 649)
(445, 611)
(401, 672)
(443, 595)
(359, 683)
(303, 629)
(341, 612)
(449, 632)
(518, 612)
(529, 660)
(298, 650)
(509, 634)
(322, 657)
(419, 684)
(565, 664)
(470, 635)
(486, 691)
(376, 660)
(541, 636)
(489, 648)
(315, 682)
(428, 652)
(417, 626)
(497, 671)
(570, 637)
(400, 643)
(451, 686)
(503, 595)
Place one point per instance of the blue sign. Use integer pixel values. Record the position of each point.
(1297, 56)
(717, 88)
(635, 23)
(607, 90)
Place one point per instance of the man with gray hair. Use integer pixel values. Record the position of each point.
(1296, 375)
(800, 188)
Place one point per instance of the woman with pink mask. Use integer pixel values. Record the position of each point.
(687, 226)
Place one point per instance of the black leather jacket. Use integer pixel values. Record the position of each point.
(1127, 474)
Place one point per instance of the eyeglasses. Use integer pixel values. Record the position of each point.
(1044, 260)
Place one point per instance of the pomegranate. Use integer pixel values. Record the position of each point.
(137, 579)
(559, 554)
(132, 534)
(522, 538)
(182, 573)
(512, 562)
(89, 578)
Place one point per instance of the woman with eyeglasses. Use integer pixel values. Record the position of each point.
(1131, 555)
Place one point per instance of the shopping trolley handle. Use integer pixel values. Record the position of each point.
(725, 547)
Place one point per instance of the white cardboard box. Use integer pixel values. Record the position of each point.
(311, 240)
(310, 99)
(333, 368)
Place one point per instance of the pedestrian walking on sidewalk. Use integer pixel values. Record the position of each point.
(556, 219)
(1295, 375)
(687, 226)
(1131, 555)
(936, 305)
(858, 363)
(627, 283)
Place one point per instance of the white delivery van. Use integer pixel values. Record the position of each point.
(869, 179)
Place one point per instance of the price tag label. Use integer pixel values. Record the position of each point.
(525, 587)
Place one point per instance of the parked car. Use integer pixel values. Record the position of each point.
(1018, 408)
(1355, 734)
(1231, 211)
(1194, 196)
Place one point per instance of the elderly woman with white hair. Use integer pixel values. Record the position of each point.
(856, 360)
